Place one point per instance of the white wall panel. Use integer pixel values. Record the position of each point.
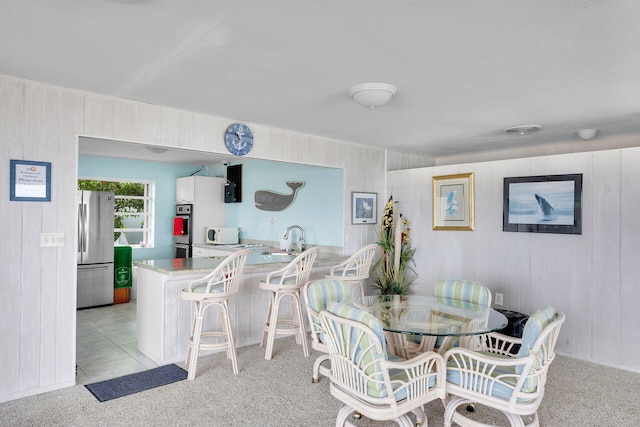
(606, 254)
(629, 258)
(11, 134)
(591, 277)
(38, 290)
(32, 214)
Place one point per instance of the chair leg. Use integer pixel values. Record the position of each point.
(421, 417)
(231, 345)
(294, 316)
(317, 366)
(300, 321)
(263, 341)
(343, 414)
(273, 325)
(194, 345)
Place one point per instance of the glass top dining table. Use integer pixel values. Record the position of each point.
(429, 315)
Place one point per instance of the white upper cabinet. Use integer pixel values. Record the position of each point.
(206, 194)
(199, 188)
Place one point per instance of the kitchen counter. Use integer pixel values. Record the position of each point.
(256, 262)
(164, 319)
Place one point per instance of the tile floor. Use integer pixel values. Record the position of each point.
(106, 345)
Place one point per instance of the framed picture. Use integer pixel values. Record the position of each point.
(453, 202)
(30, 181)
(543, 204)
(364, 208)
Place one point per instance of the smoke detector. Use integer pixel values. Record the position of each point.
(522, 129)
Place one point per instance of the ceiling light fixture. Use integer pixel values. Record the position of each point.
(522, 129)
(587, 134)
(156, 150)
(372, 95)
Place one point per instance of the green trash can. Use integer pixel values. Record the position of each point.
(122, 277)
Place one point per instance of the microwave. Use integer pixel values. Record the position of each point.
(221, 235)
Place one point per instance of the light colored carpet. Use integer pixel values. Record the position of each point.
(279, 393)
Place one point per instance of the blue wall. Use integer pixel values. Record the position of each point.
(318, 206)
(163, 175)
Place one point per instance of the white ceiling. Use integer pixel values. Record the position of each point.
(464, 69)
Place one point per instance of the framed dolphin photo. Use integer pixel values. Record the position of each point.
(364, 208)
(543, 204)
(453, 202)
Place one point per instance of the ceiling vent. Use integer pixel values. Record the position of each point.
(522, 129)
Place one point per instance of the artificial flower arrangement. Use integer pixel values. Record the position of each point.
(395, 275)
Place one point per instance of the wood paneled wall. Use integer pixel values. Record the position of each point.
(592, 277)
(38, 285)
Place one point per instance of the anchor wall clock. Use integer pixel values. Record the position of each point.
(238, 139)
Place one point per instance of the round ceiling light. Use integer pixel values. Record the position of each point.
(522, 129)
(372, 95)
(156, 150)
(587, 134)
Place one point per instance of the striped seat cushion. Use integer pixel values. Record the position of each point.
(320, 293)
(365, 357)
(501, 384)
(287, 281)
(463, 290)
(461, 294)
(537, 322)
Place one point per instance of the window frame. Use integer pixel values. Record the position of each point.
(148, 234)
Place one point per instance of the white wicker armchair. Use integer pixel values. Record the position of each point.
(494, 377)
(318, 294)
(364, 380)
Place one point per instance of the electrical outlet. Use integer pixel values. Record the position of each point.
(243, 229)
(499, 299)
(51, 239)
(346, 238)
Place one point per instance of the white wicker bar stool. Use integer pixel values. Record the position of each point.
(214, 289)
(355, 270)
(286, 283)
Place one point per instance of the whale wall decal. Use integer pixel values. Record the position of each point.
(267, 200)
(548, 212)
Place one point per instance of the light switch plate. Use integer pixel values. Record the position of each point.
(51, 239)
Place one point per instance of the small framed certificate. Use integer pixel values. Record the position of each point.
(30, 181)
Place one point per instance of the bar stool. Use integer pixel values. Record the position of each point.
(355, 270)
(286, 282)
(214, 289)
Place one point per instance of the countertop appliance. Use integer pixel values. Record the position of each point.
(95, 248)
(183, 231)
(221, 235)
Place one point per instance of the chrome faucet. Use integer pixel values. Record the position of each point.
(301, 242)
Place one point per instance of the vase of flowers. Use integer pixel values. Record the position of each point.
(394, 273)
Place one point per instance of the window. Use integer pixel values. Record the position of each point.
(133, 212)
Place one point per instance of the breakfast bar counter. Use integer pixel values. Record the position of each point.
(164, 319)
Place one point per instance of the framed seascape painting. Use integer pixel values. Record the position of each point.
(543, 204)
(453, 202)
(364, 208)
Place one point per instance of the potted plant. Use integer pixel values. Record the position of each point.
(394, 273)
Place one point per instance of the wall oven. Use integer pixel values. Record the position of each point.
(182, 231)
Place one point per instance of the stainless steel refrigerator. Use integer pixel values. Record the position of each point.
(95, 248)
